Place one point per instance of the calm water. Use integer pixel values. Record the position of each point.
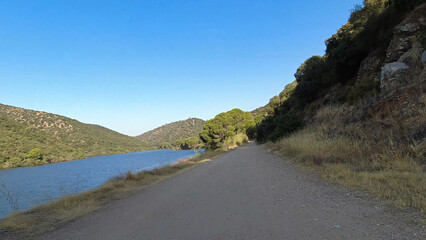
(31, 186)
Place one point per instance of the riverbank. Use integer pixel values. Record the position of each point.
(55, 214)
(61, 160)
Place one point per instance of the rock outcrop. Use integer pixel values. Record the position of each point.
(402, 75)
(404, 66)
(369, 68)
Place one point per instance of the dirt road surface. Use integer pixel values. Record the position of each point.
(245, 194)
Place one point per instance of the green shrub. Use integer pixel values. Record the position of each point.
(285, 125)
(15, 162)
(189, 143)
(310, 78)
(165, 145)
(35, 153)
(2, 159)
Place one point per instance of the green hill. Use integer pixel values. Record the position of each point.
(31, 137)
(175, 134)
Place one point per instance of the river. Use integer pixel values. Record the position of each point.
(24, 188)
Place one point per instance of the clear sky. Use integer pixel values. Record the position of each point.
(135, 65)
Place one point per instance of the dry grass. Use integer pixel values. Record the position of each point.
(55, 214)
(382, 161)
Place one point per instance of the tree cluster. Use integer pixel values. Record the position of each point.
(226, 126)
(189, 143)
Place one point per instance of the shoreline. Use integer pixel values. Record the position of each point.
(53, 215)
(36, 165)
(87, 157)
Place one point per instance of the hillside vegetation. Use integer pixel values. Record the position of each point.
(356, 115)
(179, 135)
(31, 138)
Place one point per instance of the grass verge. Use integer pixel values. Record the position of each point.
(362, 155)
(47, 217)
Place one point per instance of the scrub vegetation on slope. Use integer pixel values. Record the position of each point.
(180, 134)
(357, 114)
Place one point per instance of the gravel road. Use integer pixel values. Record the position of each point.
(245, 194)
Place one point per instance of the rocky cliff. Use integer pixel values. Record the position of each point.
(400, 106)
(404, 66)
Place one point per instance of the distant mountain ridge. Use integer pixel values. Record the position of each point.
(33, 137)
(170, 134)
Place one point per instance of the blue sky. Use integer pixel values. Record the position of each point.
(135, 65)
